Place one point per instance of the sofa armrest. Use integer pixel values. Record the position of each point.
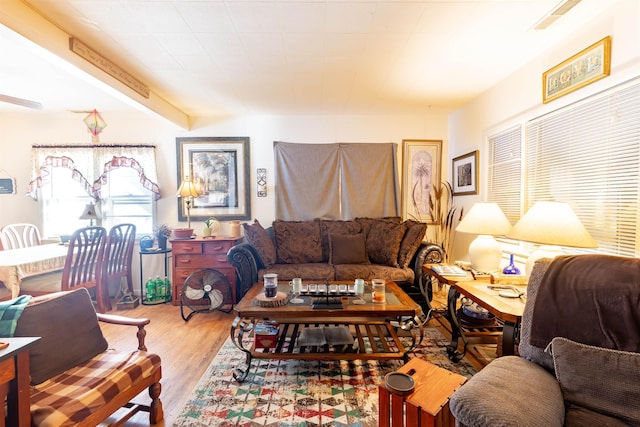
(509, 391)
(427, 253)
(128, 321)
(246, 262)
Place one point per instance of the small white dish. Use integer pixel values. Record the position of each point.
(509, 293)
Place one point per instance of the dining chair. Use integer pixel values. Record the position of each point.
(118, 255)
(83, 265)
(15, 236)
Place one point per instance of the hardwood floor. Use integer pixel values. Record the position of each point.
(186, 349)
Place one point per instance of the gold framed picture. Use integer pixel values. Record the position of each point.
(422, 161)
(583, 68)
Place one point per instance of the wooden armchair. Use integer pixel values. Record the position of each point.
(118, 255)
(15, 236)
(76, 380)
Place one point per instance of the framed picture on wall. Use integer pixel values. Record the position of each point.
(219, 168)
(421, 168)
(465, 174)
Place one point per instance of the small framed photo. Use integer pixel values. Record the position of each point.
(465, 174)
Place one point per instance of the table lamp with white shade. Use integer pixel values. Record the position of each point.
(552, 225)
(486, 220)
(187, 191)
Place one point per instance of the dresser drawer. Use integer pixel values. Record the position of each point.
(186, 247)
(200, 261)
(217, 247)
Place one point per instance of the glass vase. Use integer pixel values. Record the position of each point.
(511, 268)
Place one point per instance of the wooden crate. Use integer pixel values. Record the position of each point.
(427, 405)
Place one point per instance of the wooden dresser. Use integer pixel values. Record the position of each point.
(193, 254)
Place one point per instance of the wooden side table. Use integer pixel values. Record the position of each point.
(193, 254)
(14, 381)
(427, 405)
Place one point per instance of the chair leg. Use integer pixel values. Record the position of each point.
(155, 409)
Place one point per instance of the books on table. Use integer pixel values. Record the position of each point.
(449, 270)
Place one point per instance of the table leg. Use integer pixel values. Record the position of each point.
(509, 333)
(456, 329)
(18, 400)
(239, 327)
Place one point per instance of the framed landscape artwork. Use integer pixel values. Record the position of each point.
(219, 168)
(465, 174)
(422, 161)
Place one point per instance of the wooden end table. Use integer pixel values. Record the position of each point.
(14, 381)
(486, 295)
(373, 327)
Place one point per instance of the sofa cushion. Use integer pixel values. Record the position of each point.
(68, 325)
(298, 242)
(328, 227)
(258, 237)
(347, 249)
(366, 223)
(383, 242)
(598, 379)
(312, 271)
(509, 391)
(351, 272)
(411, 242)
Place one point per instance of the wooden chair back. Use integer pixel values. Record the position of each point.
(118, 255)
(83, 266)
(15, 236)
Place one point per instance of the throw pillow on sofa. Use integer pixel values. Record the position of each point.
(383, 242)
(347, 249)
(329, 227)
(258, 237)
(411, 242)
(298, 242)
(598, 379)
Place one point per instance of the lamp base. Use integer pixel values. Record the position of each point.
(485, 254)
(544, 251)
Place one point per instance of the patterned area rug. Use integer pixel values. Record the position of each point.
(300, 393)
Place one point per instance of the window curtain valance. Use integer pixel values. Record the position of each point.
(335, 181)
(90, 165)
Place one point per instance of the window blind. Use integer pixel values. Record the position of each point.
(588, 155)
(505, 172)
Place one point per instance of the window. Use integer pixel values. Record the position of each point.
(505, 171)
(587, 154)
(123, 190)
(336, 181)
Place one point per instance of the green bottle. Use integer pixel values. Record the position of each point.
(150, 288)
(167, 289)
(160, 292)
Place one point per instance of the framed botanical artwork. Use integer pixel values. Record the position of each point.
(421, 168)
(583, 68)
(219, 168)
(465, 174)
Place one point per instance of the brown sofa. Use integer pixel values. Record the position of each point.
(366, 248)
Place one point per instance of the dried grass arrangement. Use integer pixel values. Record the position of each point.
(444, 215)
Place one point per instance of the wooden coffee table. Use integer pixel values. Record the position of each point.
(373, 327)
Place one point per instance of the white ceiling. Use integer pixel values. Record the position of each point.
(213, 57)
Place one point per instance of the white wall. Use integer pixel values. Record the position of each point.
(19, 131)
(519, 97)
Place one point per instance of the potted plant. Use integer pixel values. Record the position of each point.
(162, 232)
(211, 226)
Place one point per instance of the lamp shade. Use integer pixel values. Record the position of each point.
(188, 188)
(485, 218)
(552, 223)
(90, 212)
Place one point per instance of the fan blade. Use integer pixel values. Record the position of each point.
(193, 294)
(21, 102)
(216, 298)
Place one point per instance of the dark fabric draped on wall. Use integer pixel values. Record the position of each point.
(335, 181)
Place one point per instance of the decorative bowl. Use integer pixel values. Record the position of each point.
(183, 233)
